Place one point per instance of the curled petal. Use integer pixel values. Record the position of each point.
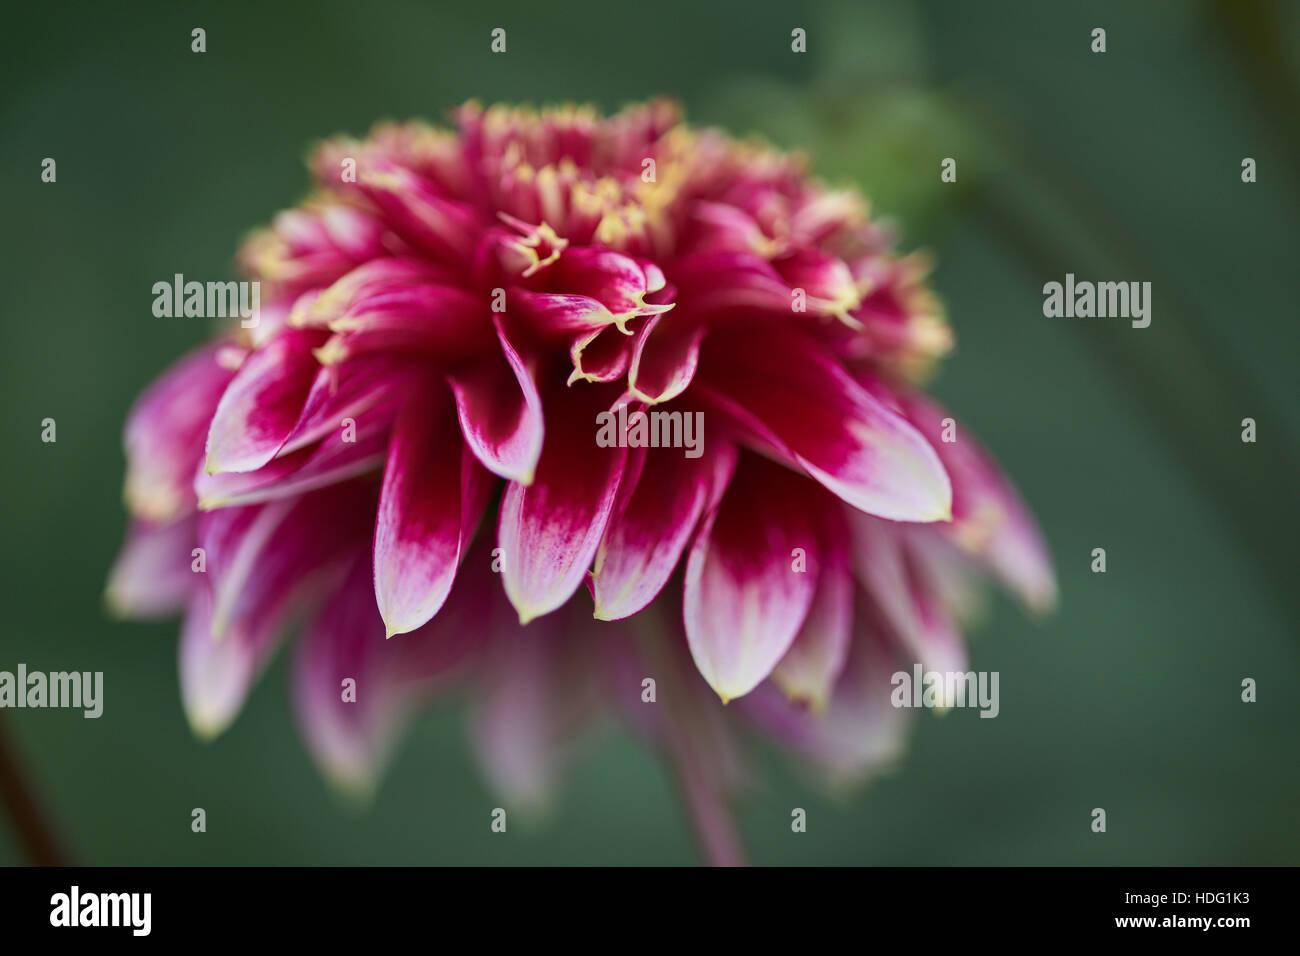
(501, 412)
(262, 404)
(665, 359)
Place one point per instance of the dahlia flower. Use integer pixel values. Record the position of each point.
(399, 462)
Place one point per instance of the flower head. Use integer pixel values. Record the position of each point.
(403, 455)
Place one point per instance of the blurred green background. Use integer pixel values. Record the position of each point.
(1123, 165)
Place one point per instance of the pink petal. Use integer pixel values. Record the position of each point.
(165, 432)
(500, 411)
(860, 731)
(333, 460)
(744, 602)
(346, 391)
(990, 520)
(534, 696)
(431, 485)
(261, 405)
(263, 559)
(809, 670)
(664, 361)
(152, 576)
(215, 675)
(549, 531)
(653, 520)
(909, 601)
(352, 740)
(794, 401)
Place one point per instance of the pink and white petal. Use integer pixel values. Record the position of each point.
(152, 576)
(215, 675)
(559, 315)
(261, 405)
(909, 601)
(264, 560)
(343, 455)
(536, 691)
(549, 531)
(793, 400)
(653, 520)
(166, 429)
(352, 738)
(809, 670)
(346, 391)
(743, 602)
(859, 732)
(420, 532)
(665, 358)
(600, 356)
(500, 411)
(990, 520)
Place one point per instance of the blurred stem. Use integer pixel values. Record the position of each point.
(33, 831)
(716, 836)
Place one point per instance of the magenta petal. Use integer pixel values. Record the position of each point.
(811, 667)
(860, 731)
(421, 528)
(501, 412)
(166, 429)
(990, 520)
(152, 575)
(264, 559)
(549, 531)
(744, 601)
(343, 454)
(653, 521)
(906, 595)
(533, 697)
(350, 728)
(345, 391)
(794, 401)
(666, 356)
(215, 674)
(262, 403)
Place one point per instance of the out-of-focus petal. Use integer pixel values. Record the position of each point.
(989, 518)
(166, 429)
(152, 575)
